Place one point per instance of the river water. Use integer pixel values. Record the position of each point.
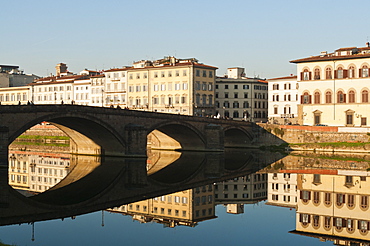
(240, 197)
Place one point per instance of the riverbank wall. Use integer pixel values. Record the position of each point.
(311, 138)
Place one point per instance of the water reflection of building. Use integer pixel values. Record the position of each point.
(334, 205)
(247, 189)
(282, 189)
(35, 171)
(186, 208)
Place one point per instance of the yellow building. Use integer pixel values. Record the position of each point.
(186, 207)
(334, 203)
(334, 87)
(169, 85)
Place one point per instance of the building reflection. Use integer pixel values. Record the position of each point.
(330, 194)
(35, 172)
(236, 192)
(186, 208)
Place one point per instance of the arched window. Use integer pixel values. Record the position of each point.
(328, 74)
(351, 96)
(317, 97)
(306, 75)
(364, 71)
(340, 73)
(316, 74)
(306, 98)
(328, 97)
(351, 72)
(341, 97)
(365, 96)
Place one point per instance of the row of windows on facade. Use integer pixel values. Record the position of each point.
(49, 171)
(286, 198)
(163, 100)
(163, 74)
(57, 88)
(341, 199)
(162, 210)
(255, 177)
(244, 87)
(287, 98)
(20, 178)
(243, 195)
(341, 97)
(337, 222)
(168, 87)
(242, 187)
(287, 86)
(286, 187)
(236, 95)
(339, 73)
(286, 110)
(236, 104)
(245, 114)
(45, 180)
(184, 200)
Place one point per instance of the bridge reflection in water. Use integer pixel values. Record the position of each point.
(93, 183)
(330, 193)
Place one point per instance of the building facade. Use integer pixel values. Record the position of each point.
(334, 87)
(283, 100)
(241, 98)
(169, 85)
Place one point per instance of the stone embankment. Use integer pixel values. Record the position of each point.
(46, 144)
(320, 138)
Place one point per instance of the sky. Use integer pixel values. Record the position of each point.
(261, 36)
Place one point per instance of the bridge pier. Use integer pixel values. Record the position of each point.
(4, 177)
(136, 140)
(136, 175)
(215, 164)
(214, 137)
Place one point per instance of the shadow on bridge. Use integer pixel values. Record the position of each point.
(101, 183)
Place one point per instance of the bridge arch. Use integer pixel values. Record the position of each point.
(171, 135)
(88, 134)
(237, 137)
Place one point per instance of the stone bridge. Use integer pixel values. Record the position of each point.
(119, 132)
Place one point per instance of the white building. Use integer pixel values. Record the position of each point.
(282, 189)
(283, 100)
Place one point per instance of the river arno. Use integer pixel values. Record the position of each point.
(238, 197)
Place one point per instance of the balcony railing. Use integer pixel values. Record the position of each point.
(287, 115)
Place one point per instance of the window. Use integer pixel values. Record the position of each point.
(351, 72)
(204, 73)
(349, 117)
(328, 73)
(304, 218)
(364, 202)
(210, 74)
(316, 220)
(235, 114)
(316, 74)
(340, 73)
(364, 96)
(327, 198)
(317, 97)
(351, 201)
(316, 197)
(328, 97)
(306, 98)
(341, 199)
(351, 96)
(305, 195)
(364, 72)
(197, 73)
(341, 97)
(306, 75)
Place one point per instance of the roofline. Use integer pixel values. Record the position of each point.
(330, 58)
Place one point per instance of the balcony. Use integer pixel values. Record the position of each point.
(287, 115)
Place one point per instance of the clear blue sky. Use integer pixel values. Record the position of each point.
(262, 36)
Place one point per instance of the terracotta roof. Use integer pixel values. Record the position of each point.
(98, 76)
(180, 64)
(330, 58)
(286, 77)
(347, 48)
